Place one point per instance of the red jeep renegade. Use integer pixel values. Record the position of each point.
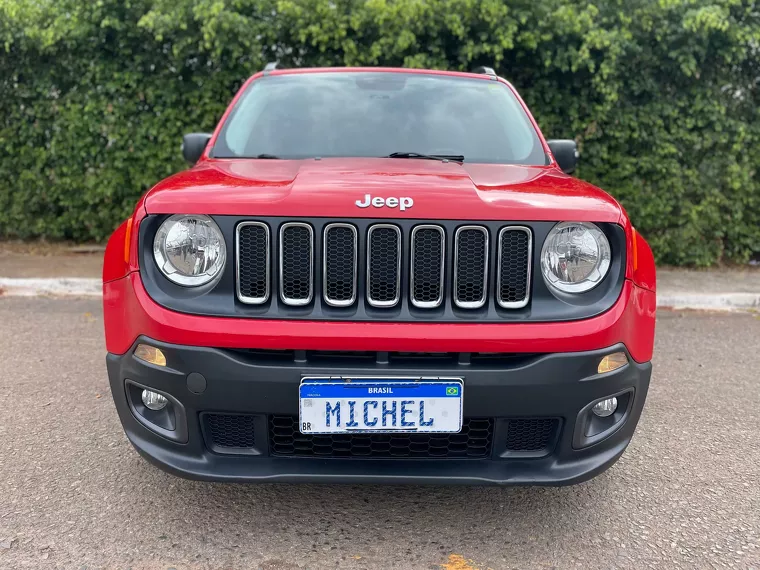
(379, 275)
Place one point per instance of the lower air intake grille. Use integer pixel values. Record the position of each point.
(529, 435)
(473, 442)
(229, 432)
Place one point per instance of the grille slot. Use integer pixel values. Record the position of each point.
(252, 262)
(340, 262)
(513, 272)
(296, 263)
(473, 442)
(531, 435)
(470, 266)
(229, 433)
(427, 266)
(383, 265)
(337, 358)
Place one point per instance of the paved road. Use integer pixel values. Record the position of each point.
(74, 494)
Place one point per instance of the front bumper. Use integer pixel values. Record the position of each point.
(559, 385)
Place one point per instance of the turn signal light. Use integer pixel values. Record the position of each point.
(612, 362)
(150, 354)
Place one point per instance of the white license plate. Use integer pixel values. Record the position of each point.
(378, 405)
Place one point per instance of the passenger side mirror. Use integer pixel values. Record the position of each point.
(193, 146)
(565, 152)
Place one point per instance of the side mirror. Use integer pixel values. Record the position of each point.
(193, 146)
(565, 152)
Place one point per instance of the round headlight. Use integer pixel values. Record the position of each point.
(190, 250)
(575, 257)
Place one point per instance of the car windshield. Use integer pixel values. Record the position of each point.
(376, 114)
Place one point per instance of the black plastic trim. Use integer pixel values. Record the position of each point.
(602, 428)
(171, 422)
(545, 305)
(259, 426)
(559, 385)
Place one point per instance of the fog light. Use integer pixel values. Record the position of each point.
(150, 354)
(612, 362)
(603, 409)
(155, 401)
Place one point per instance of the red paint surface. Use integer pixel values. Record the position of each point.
(114, 265)
(644, 275)
(130, 312)
(329, 187)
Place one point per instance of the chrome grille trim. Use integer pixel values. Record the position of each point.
(352, 300)
(455, 292)
(287, 300)
(381, 303)
(412, 269)
(243, 298)
(523, 302)
(363, 277)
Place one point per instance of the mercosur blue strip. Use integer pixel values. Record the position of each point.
(381, 390)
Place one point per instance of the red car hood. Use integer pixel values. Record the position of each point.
(331, 188)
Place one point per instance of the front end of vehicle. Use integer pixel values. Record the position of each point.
(302, 307)
(370, 298)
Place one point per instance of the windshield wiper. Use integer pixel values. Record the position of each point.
(271, 156)
(443, 157)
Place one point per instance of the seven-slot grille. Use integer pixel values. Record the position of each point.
(432, 264)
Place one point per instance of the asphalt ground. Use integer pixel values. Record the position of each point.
(74, 494)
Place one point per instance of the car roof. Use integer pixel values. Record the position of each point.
(302, 70)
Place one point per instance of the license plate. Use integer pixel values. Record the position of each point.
(372, 405)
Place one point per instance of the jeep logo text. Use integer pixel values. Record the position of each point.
(378, 202)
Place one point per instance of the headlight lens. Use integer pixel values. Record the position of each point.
(190, 250)
(575, 257)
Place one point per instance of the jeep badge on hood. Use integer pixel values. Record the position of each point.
(378, 202)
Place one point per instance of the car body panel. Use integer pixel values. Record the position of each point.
(129, 312)
(330, 188)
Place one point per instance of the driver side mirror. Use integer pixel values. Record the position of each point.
(565, 152)
(193, 145)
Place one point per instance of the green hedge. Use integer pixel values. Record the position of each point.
(662, 96)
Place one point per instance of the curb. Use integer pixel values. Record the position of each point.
(710, 302)
(83, 287)
(63, 287)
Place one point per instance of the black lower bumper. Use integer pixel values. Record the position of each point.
(261, 387)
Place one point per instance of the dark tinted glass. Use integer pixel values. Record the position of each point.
(372, 114)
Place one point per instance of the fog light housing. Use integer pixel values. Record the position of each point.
(612, 362)
(153, 400)
(604, 408)
(150, 354)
